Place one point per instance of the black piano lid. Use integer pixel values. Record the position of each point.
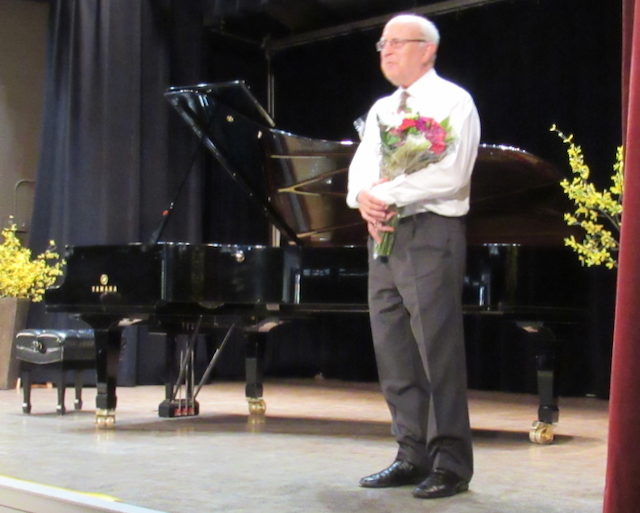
(292, 178)
(516, 198)
(300, 183)
(235, 94)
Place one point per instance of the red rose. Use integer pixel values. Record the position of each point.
(407, 123)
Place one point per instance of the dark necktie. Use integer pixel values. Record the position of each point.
(402, 107)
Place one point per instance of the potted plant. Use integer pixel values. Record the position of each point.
(23, 279)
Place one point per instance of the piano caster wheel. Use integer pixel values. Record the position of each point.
(105, 419)
(257, 405)
(541, 433)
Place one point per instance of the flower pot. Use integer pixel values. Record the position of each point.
(13, 318)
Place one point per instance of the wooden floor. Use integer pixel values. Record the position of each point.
(306, 455)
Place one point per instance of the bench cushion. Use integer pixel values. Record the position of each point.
(50, 346)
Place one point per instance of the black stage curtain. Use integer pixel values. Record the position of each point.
(112, 150)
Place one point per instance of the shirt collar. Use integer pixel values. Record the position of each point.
(419, 84)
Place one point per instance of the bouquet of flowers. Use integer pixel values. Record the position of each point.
(408, 146)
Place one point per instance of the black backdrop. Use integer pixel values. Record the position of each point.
(113, 153)
(528, 64)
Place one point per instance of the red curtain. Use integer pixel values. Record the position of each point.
(622, 493)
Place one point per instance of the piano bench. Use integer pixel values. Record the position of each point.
(59, 350)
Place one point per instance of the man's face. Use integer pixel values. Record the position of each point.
(404, 65)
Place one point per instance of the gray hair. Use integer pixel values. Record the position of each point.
(427, 27)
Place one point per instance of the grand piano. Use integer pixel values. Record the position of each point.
(515, 275)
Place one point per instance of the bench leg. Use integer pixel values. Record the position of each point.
(26, 391)
(61, 388)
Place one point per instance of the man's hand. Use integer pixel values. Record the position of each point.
(375, 212)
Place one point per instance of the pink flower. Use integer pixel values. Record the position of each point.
(431, 129)
(423, 123)
(438, 147)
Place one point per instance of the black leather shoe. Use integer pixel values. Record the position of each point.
(399, 473)
(441, 483)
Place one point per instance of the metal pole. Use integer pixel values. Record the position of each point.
(447, 6)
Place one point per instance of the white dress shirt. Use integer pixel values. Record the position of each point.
(442, 187)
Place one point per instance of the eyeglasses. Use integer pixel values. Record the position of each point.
(396, 43)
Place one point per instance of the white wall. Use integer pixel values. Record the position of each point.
(23, 31)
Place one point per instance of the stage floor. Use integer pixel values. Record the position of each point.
(317, 440)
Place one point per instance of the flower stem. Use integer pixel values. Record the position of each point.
(383, 248)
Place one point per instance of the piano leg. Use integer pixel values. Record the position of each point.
(108, 340)
(255, 342)
(77, 385)
(548, 413)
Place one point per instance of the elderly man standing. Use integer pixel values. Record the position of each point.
(415, 290)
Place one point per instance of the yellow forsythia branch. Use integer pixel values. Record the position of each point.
(22, 276)
(599, 245)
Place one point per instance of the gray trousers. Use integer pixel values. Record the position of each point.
(415, 302)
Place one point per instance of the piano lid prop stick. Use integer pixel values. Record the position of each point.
(212, 363)
(183, 363)
(155, 236)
